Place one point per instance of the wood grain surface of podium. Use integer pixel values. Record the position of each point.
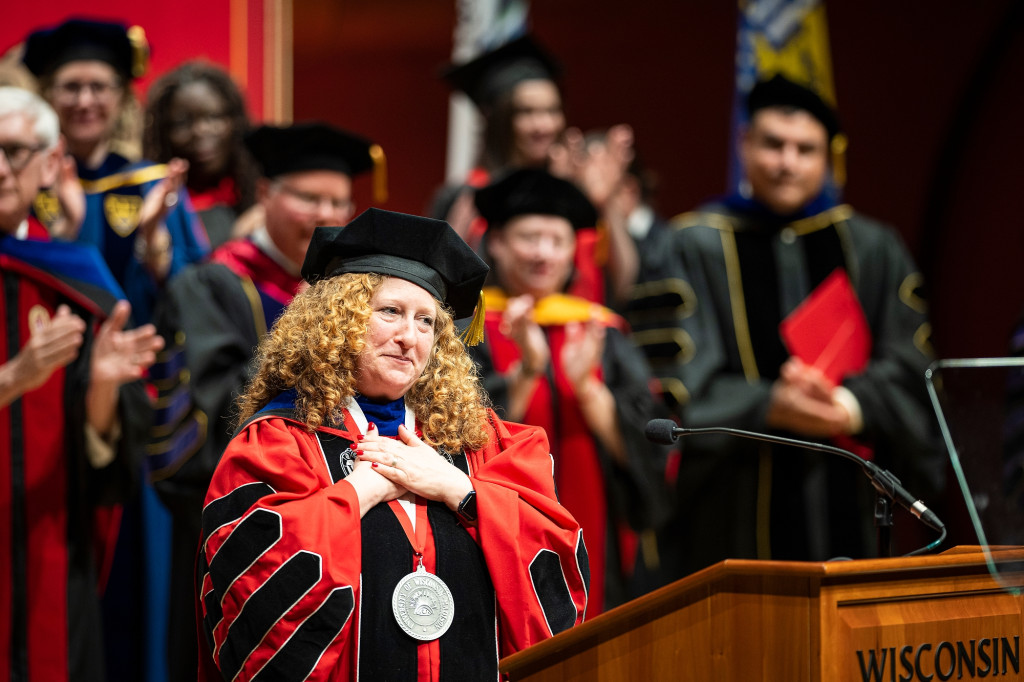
(930, 618)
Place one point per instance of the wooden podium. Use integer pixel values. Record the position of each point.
(930, 618)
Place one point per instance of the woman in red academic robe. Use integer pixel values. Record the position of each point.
(372, 518)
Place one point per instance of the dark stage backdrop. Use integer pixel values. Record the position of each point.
(929, 93)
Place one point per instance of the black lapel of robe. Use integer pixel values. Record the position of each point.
(385, 651)
(761, 300)
(469, 648)
(823, 253)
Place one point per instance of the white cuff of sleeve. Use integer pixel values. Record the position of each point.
(848, 400)
(98, 449)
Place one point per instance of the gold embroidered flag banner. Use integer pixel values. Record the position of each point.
(789, 37)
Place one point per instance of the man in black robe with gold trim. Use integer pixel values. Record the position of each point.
(744, 264)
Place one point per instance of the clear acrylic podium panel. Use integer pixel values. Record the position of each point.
(979, 403)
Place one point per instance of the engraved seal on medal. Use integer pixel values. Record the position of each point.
(423, 605)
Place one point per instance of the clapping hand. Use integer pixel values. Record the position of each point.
(518, 324)
(120, 356)
(54, 343)
(596, 166)
(162, 198)
(606, 163)
(582, 351)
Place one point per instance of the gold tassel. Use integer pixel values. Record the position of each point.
(602, 243)
(838, 147)
(380, 174)
(140, 50)
(474, 333)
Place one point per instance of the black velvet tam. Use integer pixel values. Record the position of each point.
(420, 250)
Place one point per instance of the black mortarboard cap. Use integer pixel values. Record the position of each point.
(122, 47)
(309, 146)
(531, 191)
(779, 91)
(487, 76)
(420, 250)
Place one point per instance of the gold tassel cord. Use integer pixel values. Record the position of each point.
(474, 333)
(380, 174)
(140, 50)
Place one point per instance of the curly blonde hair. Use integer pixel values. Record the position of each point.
(314, 346)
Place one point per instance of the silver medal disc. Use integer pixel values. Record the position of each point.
(423, 605)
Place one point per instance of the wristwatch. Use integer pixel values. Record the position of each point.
(467, 508)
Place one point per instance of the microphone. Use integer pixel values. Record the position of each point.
(666, 432)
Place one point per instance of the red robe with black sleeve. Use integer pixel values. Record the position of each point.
(294, 585)
(58, 513)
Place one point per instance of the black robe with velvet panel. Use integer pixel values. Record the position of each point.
(737, 274)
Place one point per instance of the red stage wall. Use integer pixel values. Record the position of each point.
(231, 33)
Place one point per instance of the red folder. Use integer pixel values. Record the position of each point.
(828, 329)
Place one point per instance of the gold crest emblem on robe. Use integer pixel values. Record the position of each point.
(46, 207)
(122, 212)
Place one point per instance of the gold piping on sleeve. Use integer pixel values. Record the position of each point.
(680, 337)
(923, 340)
(202, 422)
(676, 389)
(160, 433)
(907, 295)
(673, 285)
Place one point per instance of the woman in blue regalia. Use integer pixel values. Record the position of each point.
(133, 211)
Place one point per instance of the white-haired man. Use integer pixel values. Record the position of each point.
(71, 414)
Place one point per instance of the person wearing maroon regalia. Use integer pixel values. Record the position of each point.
(71, 416)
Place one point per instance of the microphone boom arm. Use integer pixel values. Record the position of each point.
(884, 482)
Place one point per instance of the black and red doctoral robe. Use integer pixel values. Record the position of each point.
(294, 585)
(58, 512)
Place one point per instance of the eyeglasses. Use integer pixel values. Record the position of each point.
(19, 155)
(217, 123)
(310, 203)
(70, 92)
